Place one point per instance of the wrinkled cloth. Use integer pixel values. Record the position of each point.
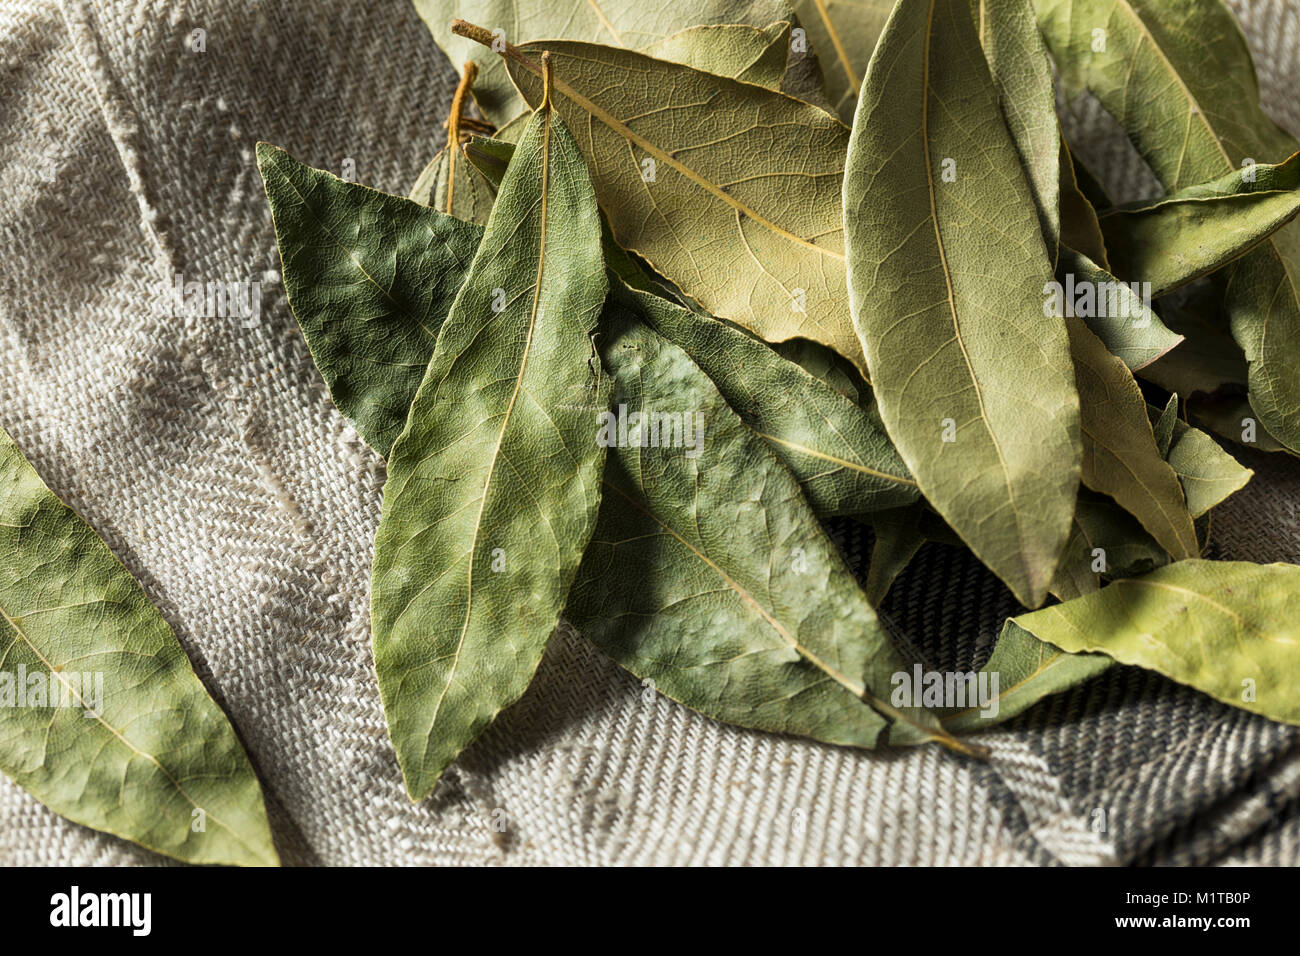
(207, 453)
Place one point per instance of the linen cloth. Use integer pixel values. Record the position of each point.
(207, 453)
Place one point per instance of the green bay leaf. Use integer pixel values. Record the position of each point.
(454, 186)
(1080, 228)
(494, 483)
(1208, 473)
(370, 278)
(135, 747)
(946, 280)
(1022, 74)
(837, 449)
(1227, 628)
(1105, 542)
(450, 183)
(1028, 670)
(753, 54)
(710, 576)
(898, 536)
(1190, 233)
(1130, 329)
(844, 34)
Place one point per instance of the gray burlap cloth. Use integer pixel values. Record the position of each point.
(207, 453)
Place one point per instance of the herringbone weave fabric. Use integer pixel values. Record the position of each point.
(207, 453)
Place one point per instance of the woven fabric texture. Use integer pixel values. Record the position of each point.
(207, 453)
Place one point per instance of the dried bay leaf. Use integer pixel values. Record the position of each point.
(1207, 359)
(455, 188)
(494, 483)
(1180, 81)
(450, 183)
(1162, 424)
(838, 451)
(1227, 628)
(946, 281)
(1080, 228)
(625, 23)
(1028, 670)
(743, 610)
(898, 536)
(739, 204)
(1130, 329)
(1231, 416)
(833, 444)
(1168, 242)
(1022, 74)
(1207, 473)
(844, 34)
(135, 746)
(753, 54)
(1120, 456)
(1105, 542)
(370, 278)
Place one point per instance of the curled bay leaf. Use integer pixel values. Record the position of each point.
(1180, 81)
(494, 483)
(946, 280)
(1105, 542)
(1207, 359)
(898, 536)
(1080, 228)
(1120, 456)
(1227, 628)
(102, 717)
(743, 610)
(1170, 241)
(370, 278)
(1128, 326)
(737, 204)
(1208, 473)
(1162, 424)
(837, 449)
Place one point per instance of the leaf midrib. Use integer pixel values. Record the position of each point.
(505, 422)
(855, 83)
(842, 462)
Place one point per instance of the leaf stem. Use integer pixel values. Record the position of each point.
(546, 81)
(490, 40)
(453, 127)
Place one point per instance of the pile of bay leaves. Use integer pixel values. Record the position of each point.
(691, 279)
(672, 298)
